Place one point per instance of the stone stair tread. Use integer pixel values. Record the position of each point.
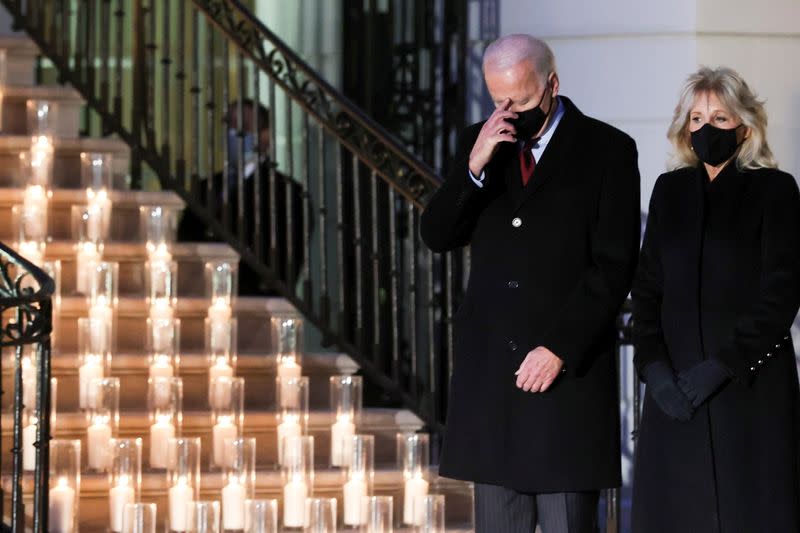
(17, 43)
(60, 93)
(17, 143)
(135, 251)
(14, 195)
(373, 419)
(197, 362)
(188, 306)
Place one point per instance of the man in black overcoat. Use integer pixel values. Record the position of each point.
(548, 200)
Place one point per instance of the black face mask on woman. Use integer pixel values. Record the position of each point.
(530, 121)
(713, 145)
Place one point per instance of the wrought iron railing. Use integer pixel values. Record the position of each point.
(328, 217)
(26, 296)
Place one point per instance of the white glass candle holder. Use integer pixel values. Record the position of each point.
(292, 400)
(183, 479)
(220, 341)
(433, 519)
(30, 233)
(360, 477)
(104, 284)
(124, 479)
(221, 282)
(139, 518)
(65, 485)
(261, 516)
(94, 352)
(287, 338)
(320, 515)
(413, 452)
(87, 256)
(227, 404)
(103, 414)
(28, 362)
(42, 117)
(29, 220)
(161, 279)
(91, 224)
(159, 229)
(239, 478)
(346, 402)
(96, 172)
(205, 517)
(377, 514)
(30, 427)
(163, 346)
(164, 402)
(36, 163)
(298, 479)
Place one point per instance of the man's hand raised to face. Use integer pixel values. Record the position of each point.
(538, 371)
(497, 129)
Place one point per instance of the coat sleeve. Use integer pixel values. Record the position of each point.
(647, 291)
(764, 328)
(451, 215)
(590, 310)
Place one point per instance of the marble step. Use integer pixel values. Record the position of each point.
(190, 258)
(125, 225)
(252, 313)
(257, 369)
(21, 54)
(262, 425)
(67, 101)
(66, 165)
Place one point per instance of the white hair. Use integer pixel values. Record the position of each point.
(511, 50)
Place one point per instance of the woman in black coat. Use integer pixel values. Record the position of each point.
(717, 289)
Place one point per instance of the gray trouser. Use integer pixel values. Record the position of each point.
(502, 510)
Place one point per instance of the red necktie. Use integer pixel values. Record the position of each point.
(527, 163)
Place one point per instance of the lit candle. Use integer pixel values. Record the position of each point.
(414, 497)
(118, 497)
(62, 508)
(28, 449)
(289, 427)
(295, 494)
(28, 383)
(94, 222)
(159, 253)
(101, 317)
(89, 370)
(97, 437)
(41, 159)
(31, 251)
(161, 367)
(180, 499)
(233, 499)
(35, 207)
(219, 311)
(354, 491)
(290, 394)
(220, 369)
(88, 256)
(160, 309)
(342, 432)
(223, 429)
(160, 433)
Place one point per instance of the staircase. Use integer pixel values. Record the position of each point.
(256, 360)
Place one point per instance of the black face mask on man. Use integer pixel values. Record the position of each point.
(530, 121)
(713, 145)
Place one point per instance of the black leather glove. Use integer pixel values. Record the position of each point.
(670, 398)
(703, 379)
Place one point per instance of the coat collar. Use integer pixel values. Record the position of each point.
(552, 161)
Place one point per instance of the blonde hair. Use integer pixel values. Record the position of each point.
(737, 97)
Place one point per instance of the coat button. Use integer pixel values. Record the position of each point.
(517, 222)
(752, 369)
(769, 354)
(760, 362)
(512, 346)
(513, 284)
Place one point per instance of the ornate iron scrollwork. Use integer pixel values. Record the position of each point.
(369, 141)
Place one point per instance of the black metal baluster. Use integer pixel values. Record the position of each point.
(261, 151)
(290, 215)
(412, 296)
(324, 298)
(449, 288)
(150, 75)
(375, 258)
(343, 320)
(225, 207)
(91, 44)
(394, 286)
(66, 30)
(119, 29)
(273, 193)
(41, 492)
(211, 91)
(358, 268)
(166, 93)
(306, 181)
(105, 53)
(17, 505)
(179, 139)
(241, 130)
(80, 38)
(433, 353)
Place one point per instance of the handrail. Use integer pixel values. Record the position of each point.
(411, 176)
(33, 325)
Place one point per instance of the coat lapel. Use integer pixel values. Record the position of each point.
(555, 155)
